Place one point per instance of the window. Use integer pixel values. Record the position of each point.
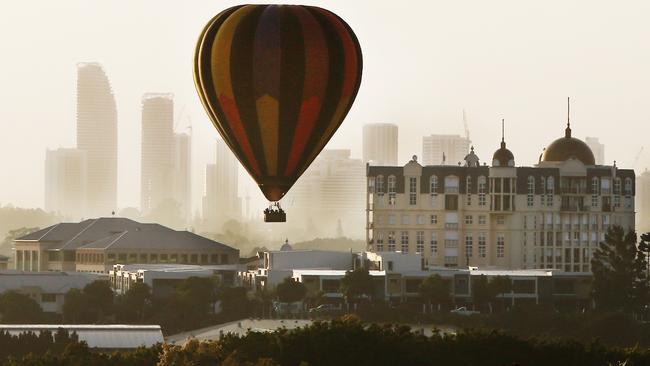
(392, 220)
(468, 190)
(419, 219)
(469, 245)
(405, 241)
(204, 258)
(550, 190)
(379, 242)
(391, 190)
(48, 297)
(214, 259)
(617, 185)
(617, 201)
(405, 220)
(501, 246)
(413, 191)
(371, 185)
(451, 202)
(379, 185)
(433, 185)
(628, 186)
(419, 241)
(501, 220)
(434, 219)
(481, 220)
(434, 244)
(482, 248)
(469, 219)
(481, 190)
(143, 258)
(605, 186)
(391, 241)
(451, 260)
(531, 191)
(451, 184)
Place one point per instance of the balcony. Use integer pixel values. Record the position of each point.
(573, 190)
(574, 208)
(451, 189)
(451, 226)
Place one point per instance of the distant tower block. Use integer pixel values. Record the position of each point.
(380, 144)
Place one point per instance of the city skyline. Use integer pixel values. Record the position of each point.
(442, 71)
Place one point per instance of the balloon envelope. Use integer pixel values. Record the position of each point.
(277, 81)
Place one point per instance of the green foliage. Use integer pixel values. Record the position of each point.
(290, 290)
(357, 283)
(434, 290)
(619, 269)
(17, 308)
(99, 299)
(8, 242)
(75, 307)
(335, 244)
(135, 305)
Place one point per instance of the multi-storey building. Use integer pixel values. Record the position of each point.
(643, 201)
(97, 135)
(66, 182)
(221, 201)
(597, 148)
(552, 215)
(181, 184)
(330, 191)
(156, 169)
(380, 144)
(444, 149)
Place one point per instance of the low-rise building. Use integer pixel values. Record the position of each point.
(163, 278)
(48, 289)
(4, 262)
(95, 245)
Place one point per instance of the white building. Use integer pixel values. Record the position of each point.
(597, 148)
(552, 215)
(221, 201)
(97, 135)
(643, 202)
(330, 191)
(444, 149)
(380, 144)
(66, 182)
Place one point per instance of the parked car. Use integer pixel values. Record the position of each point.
(325, 309)
(464, 311)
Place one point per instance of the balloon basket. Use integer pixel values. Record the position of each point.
(275, 214)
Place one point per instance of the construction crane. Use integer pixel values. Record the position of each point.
(466, 126)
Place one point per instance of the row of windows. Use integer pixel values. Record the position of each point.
(452, 185)
(433, 219)
(184, 258)
(481, 240)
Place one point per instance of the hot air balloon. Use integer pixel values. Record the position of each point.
(277, 82)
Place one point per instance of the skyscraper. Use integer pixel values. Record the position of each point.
(444, 149)
(182, 173)
(597, 148)
(643, 202)
(331, 189)
(65, 182)
(380, 144)
(157, 150)
(221, 201)
(97, 136)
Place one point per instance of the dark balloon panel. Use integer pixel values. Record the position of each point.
(277, 81)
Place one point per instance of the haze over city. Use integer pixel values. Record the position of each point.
(503, 59)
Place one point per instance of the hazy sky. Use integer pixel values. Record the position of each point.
(423, 62)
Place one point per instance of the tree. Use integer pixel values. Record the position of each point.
(18, 308)
(357, 283)
(291, 290)
(501, 285)
(7, 243)
(135, 304)
(99, 297)
(75, 307)
(619, 269)
(199, 293)
(234, 301)
(483, 293)
(434, 289)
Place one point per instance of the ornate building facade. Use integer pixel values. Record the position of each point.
(551, 215)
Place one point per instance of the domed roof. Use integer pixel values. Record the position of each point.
(568, 147)
(503, 156)
(286, 247)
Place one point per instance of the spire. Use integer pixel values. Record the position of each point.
(567, 132)
(503, 140)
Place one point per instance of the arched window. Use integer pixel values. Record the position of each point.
(550, 190)
(451, 184)
(482, 188)
(433, 182)
(530, 199)
(468, 190)
(628, 186)
(595, 189)
(379, 184)
(391, 189)
(617, 185)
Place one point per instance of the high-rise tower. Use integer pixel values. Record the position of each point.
(380, 144)
(97, 136)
